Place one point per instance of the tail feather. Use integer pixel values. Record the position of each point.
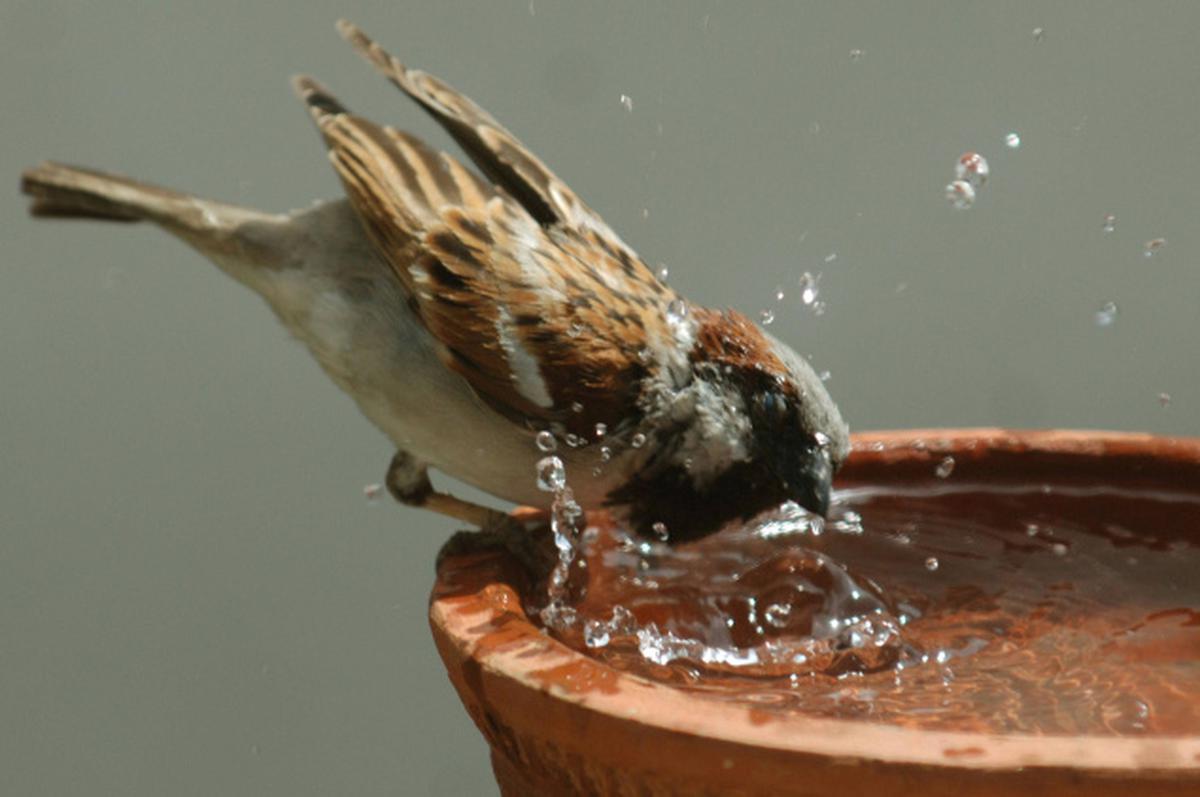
(69, 192)
(61, 191)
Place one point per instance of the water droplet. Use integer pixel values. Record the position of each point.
(779, 293)
(1013, 141)
(1106, 315)
(605, 453)
(856, 54)
(596, 634)
(1039, 34)
(767, 317)
(638, 440)
(660, 530)
(824, 376)
(1164, 399)
(1032, 530)
(644, 355)
(576, 407)
(932, 564)
(627, 103)
(574, 440)
(973, 168)
(645, 213)
(677, 311)
(810, 288)
(1154, 246)
(601, 430)
(944, 468)
(551, 475)
(832, 256)
(623, 621)
(849, 523)
(960, 194)
(1059, 549)
(372, 492)
(1110, 222)
(777, 614)
(575, 329)
(663, 273)
(546, 442)
(821, 439)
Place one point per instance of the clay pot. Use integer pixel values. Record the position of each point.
(560, 723)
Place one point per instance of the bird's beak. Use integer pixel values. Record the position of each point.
(813, 487)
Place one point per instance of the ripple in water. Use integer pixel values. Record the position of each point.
(1047, 609)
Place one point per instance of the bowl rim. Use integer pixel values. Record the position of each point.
(524, 658)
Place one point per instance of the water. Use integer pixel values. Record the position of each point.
(971, 172)
(810, 292)
(944, 468)
(551, 476)
(565, 517)
(1106, 316)
(960, 194)
(973, 168)
(676, 311)
(1045, 609)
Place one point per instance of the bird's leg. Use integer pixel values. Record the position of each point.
(408, 482)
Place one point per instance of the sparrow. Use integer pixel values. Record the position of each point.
(484, 319)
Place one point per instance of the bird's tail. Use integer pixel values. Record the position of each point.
(69, 192)
(60, 191)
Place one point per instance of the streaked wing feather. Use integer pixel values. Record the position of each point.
(495, 150)
(535, 319)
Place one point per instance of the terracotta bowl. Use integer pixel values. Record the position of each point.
(560, 723)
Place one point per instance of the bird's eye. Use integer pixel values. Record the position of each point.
(773, 404)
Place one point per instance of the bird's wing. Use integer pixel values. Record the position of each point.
(495, 150)
(545, 322)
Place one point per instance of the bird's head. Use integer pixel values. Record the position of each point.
(754, 427)
(798, 432)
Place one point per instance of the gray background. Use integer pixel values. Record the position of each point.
(195, 597)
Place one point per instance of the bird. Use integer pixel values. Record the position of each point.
(485, 320)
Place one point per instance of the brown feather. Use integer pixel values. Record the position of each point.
(497, 152)
(493, 285)
(729, 338)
